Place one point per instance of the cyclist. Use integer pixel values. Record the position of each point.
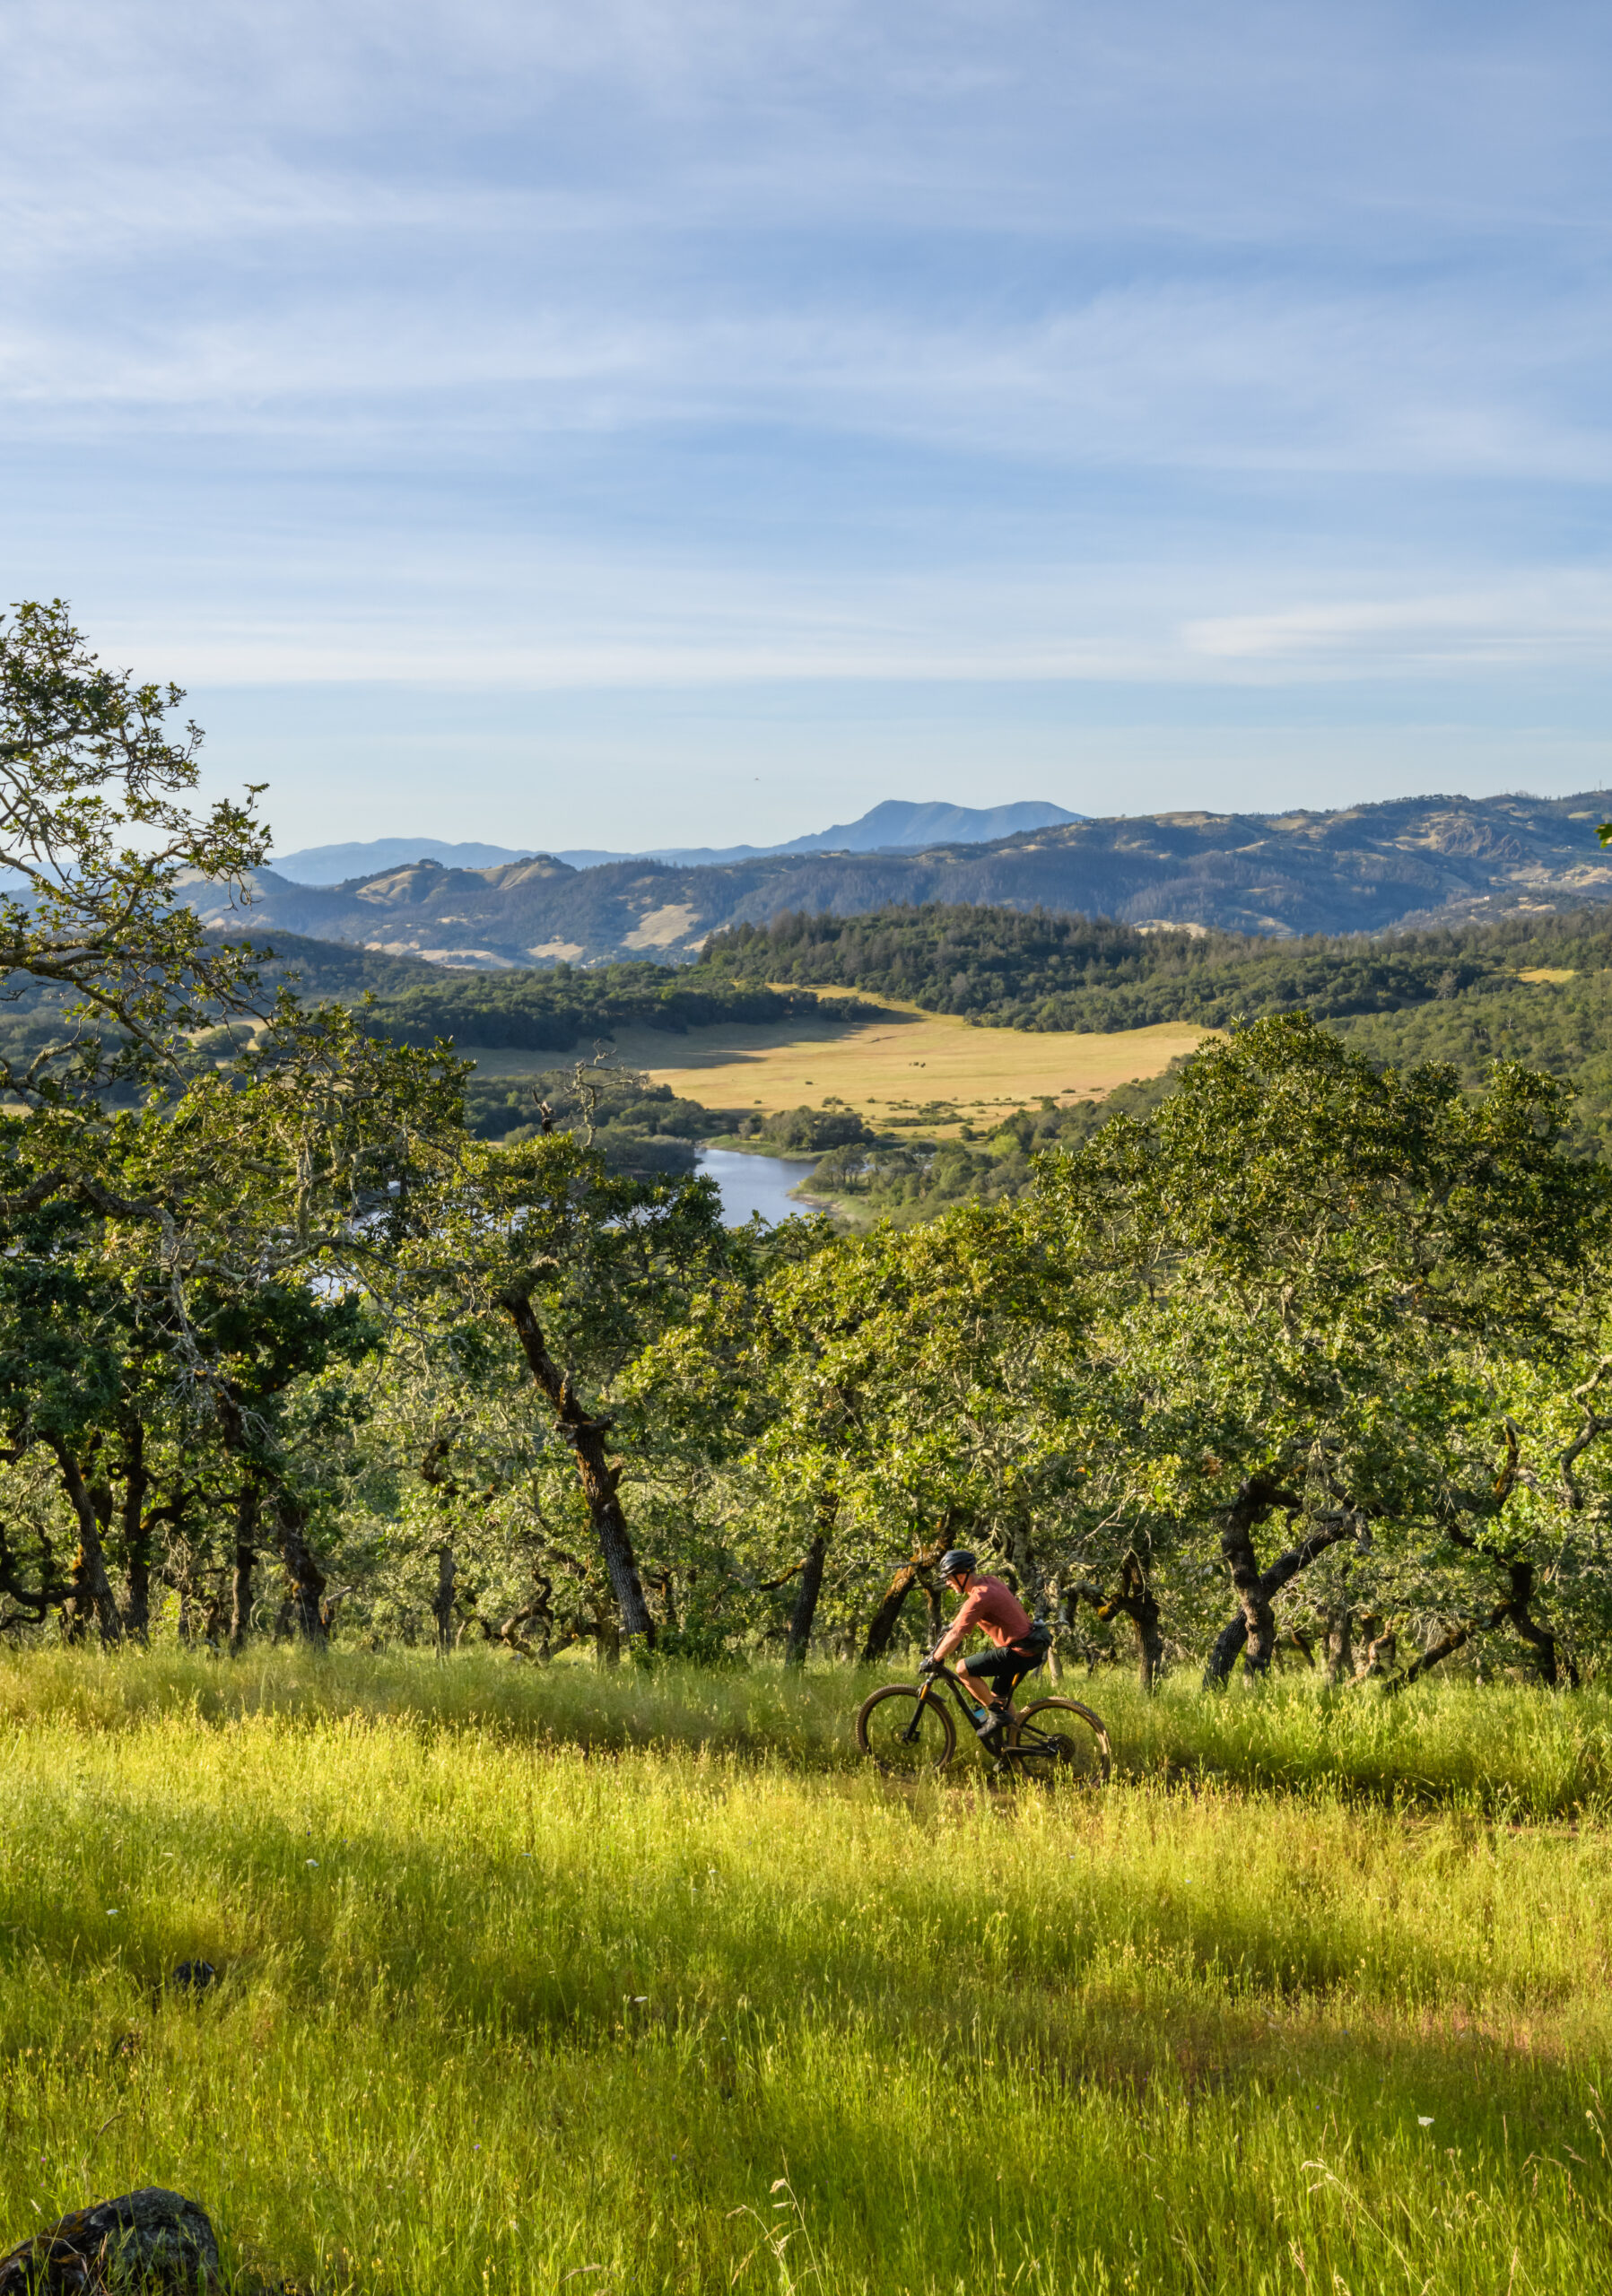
(991, 1606)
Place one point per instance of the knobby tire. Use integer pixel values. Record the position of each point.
(1081, 1736)
(882, 1720)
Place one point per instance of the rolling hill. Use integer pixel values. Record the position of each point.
(1422, 861)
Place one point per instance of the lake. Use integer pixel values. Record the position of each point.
(757, 1183)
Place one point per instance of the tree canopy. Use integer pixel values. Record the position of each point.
(1303, 1348)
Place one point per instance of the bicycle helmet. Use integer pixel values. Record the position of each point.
(956, 1558)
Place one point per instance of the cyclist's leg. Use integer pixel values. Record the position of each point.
(989, 1679)
(1014, 1667)
(1023, 1667)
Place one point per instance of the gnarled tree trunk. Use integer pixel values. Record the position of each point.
(1340, 1645)
(586, 1437)
(1255, 1625)
(1135, 1601)
(247, 1505)
(307, 1579)
(137, 1530)
(805, 1612)
(433, 1470)
(1253, 1632)
(93, 1595)
(1553, 1667)
(882, 1626)
(442, 1608)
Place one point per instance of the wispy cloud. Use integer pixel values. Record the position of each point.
(1238, 342)
(1560, 621)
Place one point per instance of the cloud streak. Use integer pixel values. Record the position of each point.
(1236, 343)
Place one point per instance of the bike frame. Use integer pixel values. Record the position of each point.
(1005, 1714)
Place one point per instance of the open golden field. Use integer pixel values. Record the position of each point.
(902, 1060)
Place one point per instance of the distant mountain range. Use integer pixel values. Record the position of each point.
(895, 826)
(1415, 861)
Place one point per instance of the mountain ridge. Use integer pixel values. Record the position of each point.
(1405, 862)
(898, 824)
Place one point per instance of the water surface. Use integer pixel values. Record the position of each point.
(757, 1183)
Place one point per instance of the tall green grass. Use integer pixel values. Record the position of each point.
(563, 1982)
(1504, 1750)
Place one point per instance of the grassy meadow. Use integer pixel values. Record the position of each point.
(569, 1980)
(902, 1060)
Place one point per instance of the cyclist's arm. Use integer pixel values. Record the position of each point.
(957, 1633)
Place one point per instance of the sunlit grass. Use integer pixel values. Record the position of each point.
(540, 1980)
(902, 1059)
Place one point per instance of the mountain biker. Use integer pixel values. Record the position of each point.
(991, 1606)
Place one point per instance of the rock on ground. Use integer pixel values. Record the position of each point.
(149, 2239)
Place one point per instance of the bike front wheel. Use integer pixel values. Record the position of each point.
(1058, 1737)
(905, 1733)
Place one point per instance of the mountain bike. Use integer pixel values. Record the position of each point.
(906, 1731)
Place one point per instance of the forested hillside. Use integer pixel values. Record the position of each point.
(1000, 968)
(550, 1008)
(554, 1010)
(1006, 968)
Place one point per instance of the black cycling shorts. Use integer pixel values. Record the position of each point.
(1002, 1669)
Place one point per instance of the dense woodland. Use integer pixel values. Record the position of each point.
(1295, 1359)
(1006, 969)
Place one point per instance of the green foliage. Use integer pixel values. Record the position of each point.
(639, 1129)
(1329, 1328)
(558, 1009)
(93, 824)
(1009, 968)
(908, 1180)
(805, 1131)
(1563, 1028)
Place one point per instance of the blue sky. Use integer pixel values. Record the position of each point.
(696, 421)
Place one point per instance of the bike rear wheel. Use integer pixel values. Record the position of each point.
(905, 1734)
(1058, 1737)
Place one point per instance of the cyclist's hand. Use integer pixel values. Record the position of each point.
(930, 1665)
